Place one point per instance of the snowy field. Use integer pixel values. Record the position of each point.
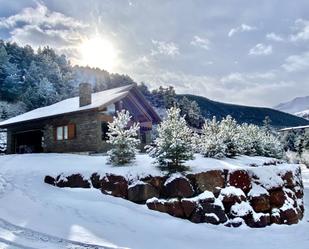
(36, 215)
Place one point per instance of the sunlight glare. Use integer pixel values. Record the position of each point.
(98, 52)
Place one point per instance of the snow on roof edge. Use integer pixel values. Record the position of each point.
(71, 105)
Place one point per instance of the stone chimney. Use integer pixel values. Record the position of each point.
(85, 90)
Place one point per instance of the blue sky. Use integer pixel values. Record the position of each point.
(245, 52)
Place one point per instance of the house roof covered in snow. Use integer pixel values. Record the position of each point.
(99, 99)
(295, 128)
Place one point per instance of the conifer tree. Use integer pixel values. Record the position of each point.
(173, 144)
(123, 138)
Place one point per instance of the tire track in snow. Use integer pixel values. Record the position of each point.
(39, 239)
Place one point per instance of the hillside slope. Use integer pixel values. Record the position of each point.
(248, 114)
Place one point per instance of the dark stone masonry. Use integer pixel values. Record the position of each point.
(230, 197)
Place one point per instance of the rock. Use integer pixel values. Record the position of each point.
(299, 192)
(216, 209)
(156, 181)
(242, 210)
(157, 205)
(275, 218)
(236, 222)
(212, 219)
(95, 180)
(189, 207)
(140, 192)
(72, 181)
(50, 180)
(174, 208)
(231, 195)
(288, 179)
(209, 180)
(178, 187)
(277, 198)
(289, 216)
(198, 216)
(240, 179)
(114, 185)
(260, 203)
(258, 220)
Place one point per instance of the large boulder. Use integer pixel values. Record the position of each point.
(277, 198)
(156, 181)
(140, 192)
(189, 206)
(72, 181)
(214, 212)
(178, 186)
(231, 195)
(259, 199)
(50, 180)
(257, 220)
(172, 206)
(289, 180)
(209, 180)
(289, 216)
(240, 179)
(114, 185)
(156, 204)
(95, 180)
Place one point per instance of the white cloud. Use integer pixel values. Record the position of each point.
(165, 48)
(240, 29)
(261, 49)
(296, 63)
(274, 37)
(302, 30)
(39, 26)
(200, 42)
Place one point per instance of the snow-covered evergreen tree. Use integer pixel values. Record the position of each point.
(123, 138)
(272, 146)
(230, 136)
(211, 142)
(173, 144)
(250, 140)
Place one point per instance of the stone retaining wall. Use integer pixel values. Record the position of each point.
(257, 196)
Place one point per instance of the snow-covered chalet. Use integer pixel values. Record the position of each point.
(78, 124)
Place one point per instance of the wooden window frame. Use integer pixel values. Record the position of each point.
(68, 132)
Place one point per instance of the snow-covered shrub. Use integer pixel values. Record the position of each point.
(211, 140)
(9, 110)
(173, 145)
(250, 140)
(123, 138)
(230, 135)
(271, 146)
(228, 139)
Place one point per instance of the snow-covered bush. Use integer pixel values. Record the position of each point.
(173, 145)
(228, 139)
(211, 141)
(229, 131)
(250, 140)
(123, 138)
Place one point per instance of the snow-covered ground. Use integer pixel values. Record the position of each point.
(36, 215)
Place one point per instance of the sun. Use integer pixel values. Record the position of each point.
(98, 52)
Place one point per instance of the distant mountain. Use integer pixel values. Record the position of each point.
(303, 114)
(294, 106)
(245, 114)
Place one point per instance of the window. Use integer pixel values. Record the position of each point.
(65, 132)
(104, 130)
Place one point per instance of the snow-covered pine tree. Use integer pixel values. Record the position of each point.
(173, 144)
(230, 136)
(250, 139)
(211, 141)
(272, 146)
(123, 138)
